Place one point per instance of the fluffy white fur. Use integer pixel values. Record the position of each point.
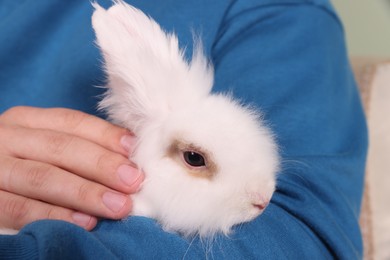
(162, 98)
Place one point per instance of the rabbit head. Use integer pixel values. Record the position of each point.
(209, 162)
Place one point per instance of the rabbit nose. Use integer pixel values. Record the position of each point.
(261, 205)
(258, 200)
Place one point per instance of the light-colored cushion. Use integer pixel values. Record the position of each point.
(373, 77)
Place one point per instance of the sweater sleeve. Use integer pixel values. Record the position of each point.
(289, 60)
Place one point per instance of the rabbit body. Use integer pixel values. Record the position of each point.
(209, 162)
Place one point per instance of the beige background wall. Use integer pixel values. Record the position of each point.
(367, 25)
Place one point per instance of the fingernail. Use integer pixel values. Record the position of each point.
(128, 143)
(81, 219)
(128, 174)
(114, 201)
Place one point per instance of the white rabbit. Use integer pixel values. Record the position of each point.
(209, 162)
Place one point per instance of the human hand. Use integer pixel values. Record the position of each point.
(63, 164)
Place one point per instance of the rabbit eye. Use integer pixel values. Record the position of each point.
(194, 159)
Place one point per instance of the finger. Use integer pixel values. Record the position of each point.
(72, 122)
(55, 186)
(74, 154)
(17, 211)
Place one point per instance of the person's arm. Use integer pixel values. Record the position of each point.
(291, 61)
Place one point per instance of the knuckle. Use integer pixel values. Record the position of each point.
(51, 213)
(15, 170)
(108, 130)
(37, 175)
(58, 142)
(82, 192)
(18, 209)
(108, 162)
(72, 119)
(34, 175)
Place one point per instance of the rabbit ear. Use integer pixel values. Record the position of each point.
(147, 73)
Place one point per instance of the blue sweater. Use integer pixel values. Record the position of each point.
(286, 57)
